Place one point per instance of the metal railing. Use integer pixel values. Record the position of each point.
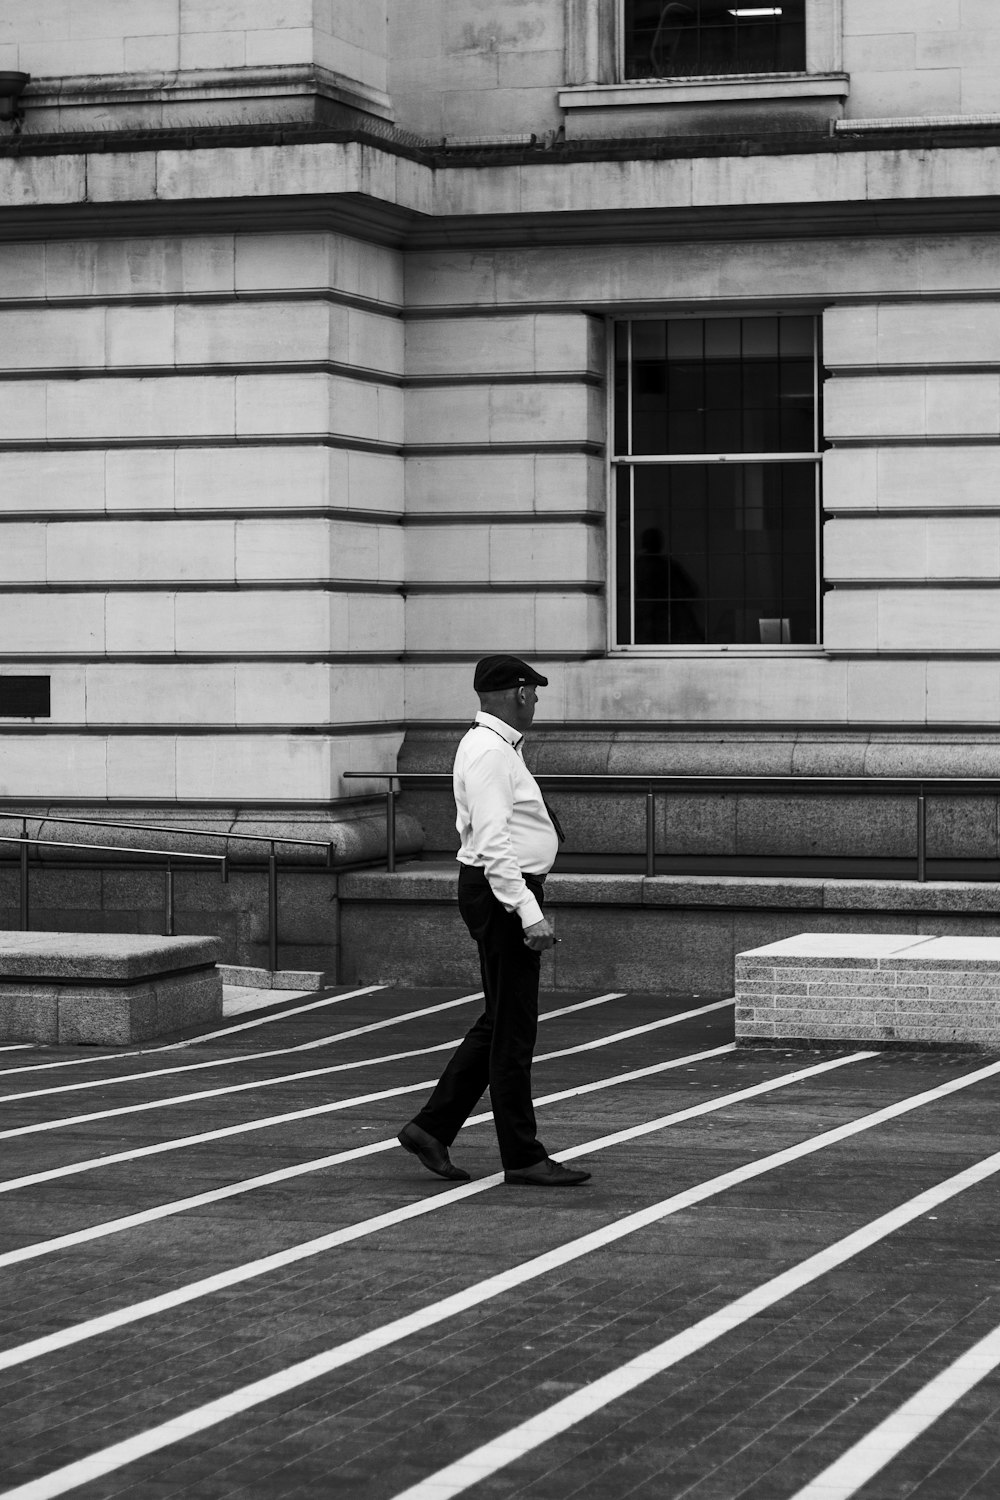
(26, 844)
(917, 786)
(249, 838)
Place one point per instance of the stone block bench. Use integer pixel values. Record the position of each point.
(870, 987)
(105, 989)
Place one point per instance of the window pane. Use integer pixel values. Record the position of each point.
(722, 338)
(719, 385)
(686, 339)
(713, 552)
(623, 554)
(649, 340)
(720, 554)
(705, 37)
(670, 556)
(621, 387)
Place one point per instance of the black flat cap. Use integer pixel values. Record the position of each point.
(496, 673)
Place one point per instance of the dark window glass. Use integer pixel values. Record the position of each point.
(717, 385)
(623, 552)
(701, 38)
(621, 387)
(24, 697)
(718, 553)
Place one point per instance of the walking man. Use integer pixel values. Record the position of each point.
(508, 844)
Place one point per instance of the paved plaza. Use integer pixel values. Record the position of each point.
(222, 1277)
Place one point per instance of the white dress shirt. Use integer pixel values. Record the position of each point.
(502, 821)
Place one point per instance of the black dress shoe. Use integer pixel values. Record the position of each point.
(431, 1152)
(546, 1173)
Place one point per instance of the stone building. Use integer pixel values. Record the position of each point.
(344, 341)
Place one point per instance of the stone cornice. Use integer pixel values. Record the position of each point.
(200, 85)
(363, 188)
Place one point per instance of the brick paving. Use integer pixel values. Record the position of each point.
(755, 1414)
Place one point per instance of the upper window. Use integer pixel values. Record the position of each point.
(716, 466)
(699, 38)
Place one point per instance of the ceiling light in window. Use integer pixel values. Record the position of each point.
(757, 10)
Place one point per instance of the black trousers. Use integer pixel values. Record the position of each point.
(497, 1050)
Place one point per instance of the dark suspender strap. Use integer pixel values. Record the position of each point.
(555, 822)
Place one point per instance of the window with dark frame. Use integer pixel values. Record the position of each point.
(716, 481)
(706, 38)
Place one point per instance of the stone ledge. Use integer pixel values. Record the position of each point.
(115, 958)
(433, 882)
(109, 990)
(279, 979)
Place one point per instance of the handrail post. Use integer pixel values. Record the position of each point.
(169, 897)
(24, 876)
(272, 910)
(921, 834)
(650, 829)
(390, 830)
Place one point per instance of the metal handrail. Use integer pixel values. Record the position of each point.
(201, 833)
(25, 843)
(919, 785)
(248, 838)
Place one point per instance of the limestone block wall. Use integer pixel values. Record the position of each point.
(911, 545)
(912, 548)
(465, 68)
(452, 68)
(352, 39)
(201, 498)
(146, 62)
(504, 490)
(928, 57)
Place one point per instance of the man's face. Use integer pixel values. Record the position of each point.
(525, 701)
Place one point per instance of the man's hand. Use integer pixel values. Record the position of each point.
(539, 936)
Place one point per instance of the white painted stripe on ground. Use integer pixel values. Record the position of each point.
(183, 1142)
(241, 999)
(244, 1057)
(144, 1106)
(307, 1249)
(247, 1397)
(227, 1062)
(232, 1088)
(885, 1442)
(271, 1121)
(17, 1047)
(282, 1015)
(76, 1062)
(515, 1443)
(285, 1174)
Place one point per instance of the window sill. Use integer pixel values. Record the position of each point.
(745, 649)
(703, 105)
(744, 88)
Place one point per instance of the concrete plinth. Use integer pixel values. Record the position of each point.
(871, 987)
(105, 989)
